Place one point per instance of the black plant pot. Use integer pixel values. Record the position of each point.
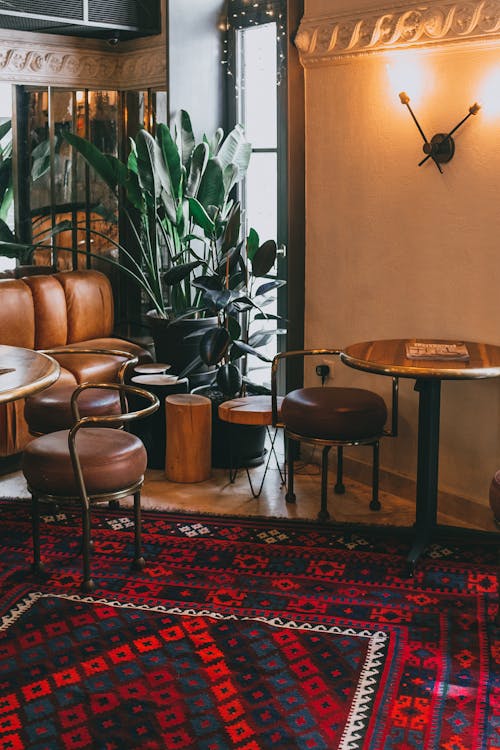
(243, 445)
(175, 345)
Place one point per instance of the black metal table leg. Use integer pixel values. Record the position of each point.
(427, 466)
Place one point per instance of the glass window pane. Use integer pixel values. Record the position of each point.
(257, 84)
(261, 194)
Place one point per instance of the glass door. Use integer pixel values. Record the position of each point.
(257, 66)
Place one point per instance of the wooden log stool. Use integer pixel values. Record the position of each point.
(189, 438)
(255, 411)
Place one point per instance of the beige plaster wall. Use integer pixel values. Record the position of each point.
(394, 250)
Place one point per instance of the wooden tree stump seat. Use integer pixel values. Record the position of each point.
(189, 438)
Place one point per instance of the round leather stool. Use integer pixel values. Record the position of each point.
(334, 417)
(50, 410)
(495, 497)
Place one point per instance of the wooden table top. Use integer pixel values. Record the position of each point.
(24, 371)
(388, 357)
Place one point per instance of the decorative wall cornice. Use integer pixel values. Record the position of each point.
(40, 60)
(326, 39)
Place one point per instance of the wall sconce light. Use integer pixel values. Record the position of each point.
(441, 147)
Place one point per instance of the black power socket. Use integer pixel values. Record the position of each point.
(322, 371)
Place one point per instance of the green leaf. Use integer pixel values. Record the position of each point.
(235, 150)
(244, 348)
(214, 345)
(171, 158)
(264, 258)
(200, 216)
(177, 273)
(40, 160)
(6, 234)
(184, 136)
(232, 230)
(4, 128)
(252, 244)
(211, 190)
(229, 379)
(147, 166)
(265, 288)
(233, 327)
(198, 165)
(109, 168)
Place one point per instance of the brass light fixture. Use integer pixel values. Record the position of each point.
(441, 147)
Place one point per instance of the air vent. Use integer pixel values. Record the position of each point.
(84, 18)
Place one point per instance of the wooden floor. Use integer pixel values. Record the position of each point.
(217, 495)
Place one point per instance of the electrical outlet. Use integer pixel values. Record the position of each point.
(329, 363)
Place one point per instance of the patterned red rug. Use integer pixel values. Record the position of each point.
(244, 635)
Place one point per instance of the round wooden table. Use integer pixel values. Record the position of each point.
(389, 357)
(24, 371)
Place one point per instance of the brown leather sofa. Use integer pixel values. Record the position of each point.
(71, 308)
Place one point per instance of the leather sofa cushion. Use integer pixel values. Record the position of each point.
(50, 410)
(94, 368)
(17, 314)
(51, 316)
(89, 304)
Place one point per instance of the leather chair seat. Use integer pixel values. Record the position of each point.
(334, 413)
(111, 459)
(50, 410)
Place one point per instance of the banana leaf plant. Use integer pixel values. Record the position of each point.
(165, 178)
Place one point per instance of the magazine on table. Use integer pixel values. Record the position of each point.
(443, 351)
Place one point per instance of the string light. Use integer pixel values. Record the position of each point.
(245, 13)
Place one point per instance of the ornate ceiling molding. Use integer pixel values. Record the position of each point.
(36, 59)
(326, 39)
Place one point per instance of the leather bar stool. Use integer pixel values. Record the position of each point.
(87, 466)
(329, 417)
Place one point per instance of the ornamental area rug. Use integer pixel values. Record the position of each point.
(244, 635)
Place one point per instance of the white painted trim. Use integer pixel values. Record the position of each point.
(327, 39)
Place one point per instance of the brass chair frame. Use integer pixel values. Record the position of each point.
(293, 439)
(85, 499)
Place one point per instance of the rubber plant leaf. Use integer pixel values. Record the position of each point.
(16, 250)
(211, 190)
(233, 327)
(265, 288)
(264, 258)
(261, 338)
(252, 244)
(214, 344)
(197, 167)
(109, 168)
(245, 348)
(232, 230)
(178, 273)
(229, 379)
(208, 282)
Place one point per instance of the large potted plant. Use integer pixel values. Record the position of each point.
(168, 182)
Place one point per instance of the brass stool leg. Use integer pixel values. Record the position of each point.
(88, 584)
(340, 487)
(375, 503)
(138, 562)
(290, 452)
(323, 514)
